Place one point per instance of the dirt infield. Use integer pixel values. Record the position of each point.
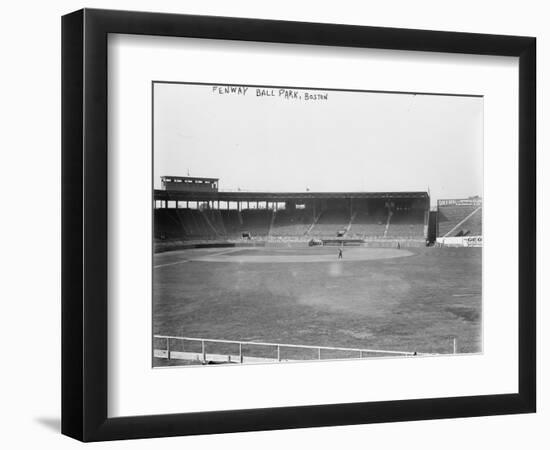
(299, 255)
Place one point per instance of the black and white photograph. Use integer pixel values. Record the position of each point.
(266, 225)
(296, 224)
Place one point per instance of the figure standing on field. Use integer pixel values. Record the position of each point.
(340, 253)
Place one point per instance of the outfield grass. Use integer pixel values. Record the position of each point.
(417, 302)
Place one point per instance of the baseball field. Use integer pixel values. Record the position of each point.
(413, 299)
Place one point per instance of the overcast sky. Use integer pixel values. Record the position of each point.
(350, 141)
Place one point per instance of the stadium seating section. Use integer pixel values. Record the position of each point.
(454, 220)
(330, 222)
(406, 224)
(194, 224)
(366, 225)
(291, 223)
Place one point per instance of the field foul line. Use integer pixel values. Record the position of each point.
(187, 260)
(224, 252)
(171, 264)
(210, 255)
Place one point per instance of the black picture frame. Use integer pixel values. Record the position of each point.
(84, 224)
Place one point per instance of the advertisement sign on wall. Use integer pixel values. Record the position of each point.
(461, 241)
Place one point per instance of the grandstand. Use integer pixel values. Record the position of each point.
(406, 222)
(331, 222)
(369, 222)
(294, 223)
(265, 279)
(459, 217)
(193, 209)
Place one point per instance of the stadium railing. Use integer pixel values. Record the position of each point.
(203, 355)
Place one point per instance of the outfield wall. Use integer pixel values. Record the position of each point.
(460, 241)
(173, 245)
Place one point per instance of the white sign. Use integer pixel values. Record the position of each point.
(461, 241)
(460, 202)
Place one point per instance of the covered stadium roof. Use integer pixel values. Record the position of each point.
(279, 196)
(174, 177)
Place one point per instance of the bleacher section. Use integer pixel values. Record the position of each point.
(473, 225)
(182, 223)
(195, 208)
(192, 224)
(365, 225)
(452, 215)
(291, 223)
(167, 224)
(256, 221)
(231, 224)
(215, 221)
(330, 222)
(406, 224)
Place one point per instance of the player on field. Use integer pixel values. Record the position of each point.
(340, 252)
